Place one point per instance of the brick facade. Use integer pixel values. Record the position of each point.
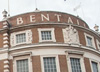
(87, 65)
(65, 27)
(63, 63)
(36, 64)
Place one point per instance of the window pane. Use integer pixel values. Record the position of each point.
(75, 65)
(22, 65)
(46, 35)
(20, 38)
(49, 64)
(94, 66)
(89, 40)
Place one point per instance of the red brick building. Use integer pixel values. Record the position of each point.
(47, 41)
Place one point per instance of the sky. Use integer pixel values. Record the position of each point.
(88, 10)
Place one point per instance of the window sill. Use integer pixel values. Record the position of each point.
(47, 41)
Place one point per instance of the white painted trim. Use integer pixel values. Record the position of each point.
(46, 29)
(20, 58)
(68, 56)
(57, 62)
(98, 64)
(93, 43)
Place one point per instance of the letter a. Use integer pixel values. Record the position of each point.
(70, 20)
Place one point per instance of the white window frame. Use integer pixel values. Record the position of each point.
(21, 33)
(46, 29)
(75, 56)
(56, 59)
(93, 43)
(28, 34)
(21, 58)
(98, 64)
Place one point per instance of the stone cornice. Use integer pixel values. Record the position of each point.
(35, 24)
(65, 46)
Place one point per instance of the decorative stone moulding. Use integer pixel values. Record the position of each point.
(70, 35)
(28, 37)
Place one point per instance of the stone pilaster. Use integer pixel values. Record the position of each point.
(6, 45)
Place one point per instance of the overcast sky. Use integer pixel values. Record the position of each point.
(89, 9)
